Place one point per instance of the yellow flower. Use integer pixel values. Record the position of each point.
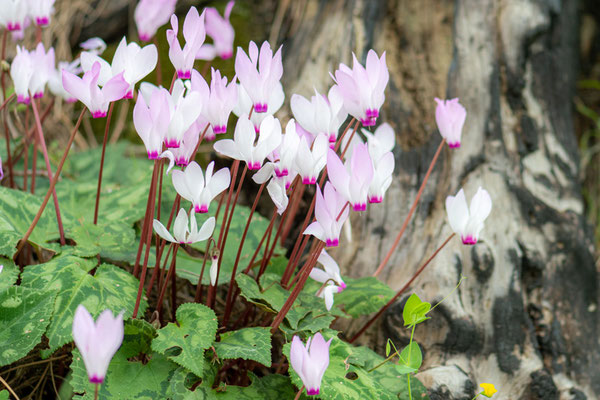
(488, 389)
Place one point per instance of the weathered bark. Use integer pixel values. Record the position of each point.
(526, 318)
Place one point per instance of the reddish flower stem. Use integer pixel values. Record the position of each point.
(30, 134)
(296, 198)
(52, 185)
(148, 238)
(410, 213)
(231, 289)
(399, 292)
(38, 124)
(34, 163)
(297, 289)
(26, 150)
(104, 141)
(170, 275)
(8, 100)
(212, 291)
(349, 141)
(262, 240)
(198, 295)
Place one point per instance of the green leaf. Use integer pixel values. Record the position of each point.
(24, 316)
(9, 274)
(268, 387)
(411, 358)
(4, 395)
(68, 276)
(387, 348)
(248, 344)
(185, 342)
(363, 296)
(415, 311)
(17, 211)
(93, 239)
(134, 372)
(182, 382)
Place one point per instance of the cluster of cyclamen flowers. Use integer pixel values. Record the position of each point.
(172, 122)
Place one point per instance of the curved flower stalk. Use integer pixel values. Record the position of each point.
(185, 230)
(329, 276)
(97, 342)
(222, 33)
(259, 73)
(244, 105)
(311, 361)
(13, 14)
(151, 120)
(242, 146)
(362, 88)
(132, 60)
(328, 206)
(30, 71)
(86, 89)
(320, 115)
(149, 15)
(353, 179)
(380, 145)
(450, 117)
(194, 34)
(310, 162)
(200, 188)
(41, 11)
(468, 221)
(221, 98)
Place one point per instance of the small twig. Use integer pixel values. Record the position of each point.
(9, 388)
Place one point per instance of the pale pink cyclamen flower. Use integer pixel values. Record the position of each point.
(363, 87)
(320, 115)
(468, 221)
(243, 148)
(329, 276)
(149, 15)
(182, 155)
(353, 179)
(19, 34)
(309, 162)
(41, 10)
(151, 120)
(450, 116)
(214, 268)
(259, 73)
(194, 35)
(185, 107)
(311, 361)
(221, 98)
(21, 71)
(87, 91)
(43, 68)
(267, 172)
(380, 145)
(185, 230)
(94, 45)
(222, 33)
(199, 188)
(13, 14)
(328, 206)
(55, 81)
(283, 158)
(244, 105)
(130, 59)
(30, 71)
(97, 342)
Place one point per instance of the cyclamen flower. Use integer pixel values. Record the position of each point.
(310, 162)
(149, 15)
(55, 81)
(21, 71)
(284, 157)
(468, 221)
(353, 179)
(87, 91)
(184, 152)
(184, 108)
(214, 268)
(194, 35)
(259, 80)
(380, 145)
(320, 115)
(152, 120)
(94, 45)
(130, 59)
(268, 172)
(277, 192)
(184, 233)
(450, 117)
(330, 276)
(97, 342)
(244, 105)
(363, 88)
(222, 33)
(242, 146)
(30, 71)
(200, 188)
(13, 14)
(311, 361)
(220, 99)
(41, 10)
(44, 66)
(328, 206)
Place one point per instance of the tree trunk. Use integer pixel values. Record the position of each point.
(526, 317)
